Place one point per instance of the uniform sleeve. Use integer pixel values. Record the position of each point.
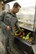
(2, 19)
(7, 20)
(5, 23)
(2, 16)
(17, 24)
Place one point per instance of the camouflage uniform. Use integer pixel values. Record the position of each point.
(11, 20)
(2, 49)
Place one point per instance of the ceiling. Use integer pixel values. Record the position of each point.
(6, 1)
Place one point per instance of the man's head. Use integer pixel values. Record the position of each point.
(16, 7)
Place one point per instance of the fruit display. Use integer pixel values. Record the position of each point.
(30, 39)
(20, 33)
(17, 33)
(27, 36)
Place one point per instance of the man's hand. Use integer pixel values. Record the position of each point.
(8, 28)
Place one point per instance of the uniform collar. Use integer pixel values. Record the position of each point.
(13, 14)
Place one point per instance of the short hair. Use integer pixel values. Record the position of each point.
(16, 5)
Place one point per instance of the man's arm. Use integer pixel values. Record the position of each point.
(7, 22)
